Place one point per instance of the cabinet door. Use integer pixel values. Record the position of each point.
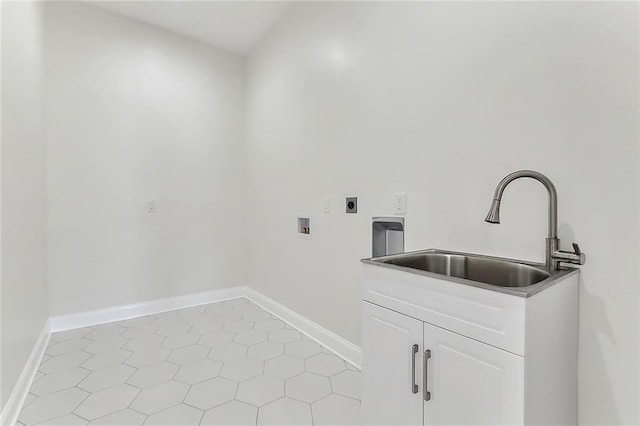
(389, 396)
(471, 383)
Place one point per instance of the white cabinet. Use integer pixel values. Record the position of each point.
(495, 359)
(471, 383)
(391, 396)
(466, 382)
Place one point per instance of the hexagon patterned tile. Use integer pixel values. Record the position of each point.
(105, 331)
(198, 371)
(226, 363)
(227, 352)
(284, 367)
(269, 324)
(59, 381)
(260, 390)
(106, 378)
(211, 393)
(285, 411)
(308, 387)
(231, 413)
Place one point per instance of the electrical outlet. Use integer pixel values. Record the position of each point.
(400, 203)
(151, 206)
(352, 205)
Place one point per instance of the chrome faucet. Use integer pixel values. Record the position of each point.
(554, 256)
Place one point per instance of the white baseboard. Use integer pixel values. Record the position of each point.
(342, 347)
(134, 310)
(11, 411)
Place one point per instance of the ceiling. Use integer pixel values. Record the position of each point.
(232, 25)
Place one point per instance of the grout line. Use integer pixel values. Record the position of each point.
(198, 408)
(347, 396)
(313, 419)
(133, 409)
(186, 394)
(201, 417)
(258, 414)
(81, 402)
(72, 413)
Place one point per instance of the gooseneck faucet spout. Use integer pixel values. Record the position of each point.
(553, 255)
(494, 212)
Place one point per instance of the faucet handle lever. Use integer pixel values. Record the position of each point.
(577, 257)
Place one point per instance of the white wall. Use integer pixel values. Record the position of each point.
(135, 112)
(23, 279)
(441, 101)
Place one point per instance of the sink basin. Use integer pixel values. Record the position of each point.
(516, 277)
(489, 271)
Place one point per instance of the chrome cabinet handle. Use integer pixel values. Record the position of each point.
(427, 394)
(414, 386)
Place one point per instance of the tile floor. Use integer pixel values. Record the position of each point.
(229, 363)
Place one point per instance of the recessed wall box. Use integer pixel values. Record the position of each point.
(387, 234)
(304, 224)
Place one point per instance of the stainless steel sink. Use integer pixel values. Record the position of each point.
(490, 271)
(505, 275)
